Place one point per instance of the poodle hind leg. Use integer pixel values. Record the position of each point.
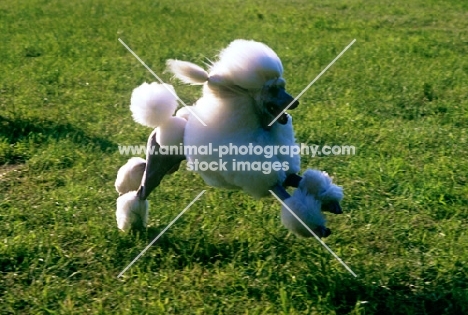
(130, 175)
(136, 180)
(157, 166)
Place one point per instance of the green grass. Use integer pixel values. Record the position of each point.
(399, 95)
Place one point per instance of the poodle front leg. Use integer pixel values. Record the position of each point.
(281, 192)
(332, 206)
(307, 208)
(292, 180)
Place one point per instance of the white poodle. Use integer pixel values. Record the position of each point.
(243, 92)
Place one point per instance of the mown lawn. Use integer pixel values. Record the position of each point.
(399, 95)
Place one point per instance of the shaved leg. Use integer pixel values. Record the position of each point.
(281, 192)
(157, 166)
(292, 180)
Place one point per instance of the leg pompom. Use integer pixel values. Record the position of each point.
(132, 213)
(130, 175)
(307, 208)
(320, 185)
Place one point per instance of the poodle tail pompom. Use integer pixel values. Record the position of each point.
(153, 104)
(130, 175)
(131, 212)
(187, 72)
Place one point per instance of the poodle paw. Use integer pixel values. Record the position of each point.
(332, 207)
(322, 232)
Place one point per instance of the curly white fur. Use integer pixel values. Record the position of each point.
(187, 72)
(171, 132)
(306, 202)
(153, 104)
(307, 208)
(233, 108)
(131, 211)
(320, 185)
(248, 64)
(130, 175)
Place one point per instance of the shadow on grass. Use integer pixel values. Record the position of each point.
(203, 252)
(344, 292)
(38, 131)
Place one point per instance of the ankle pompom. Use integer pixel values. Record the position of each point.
(130, 175)
(307, 208)
(320, 185)
(131, 213)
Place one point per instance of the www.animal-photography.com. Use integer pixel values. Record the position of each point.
(228, 157)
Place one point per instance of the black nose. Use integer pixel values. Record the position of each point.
(294, 105)
(287, 99)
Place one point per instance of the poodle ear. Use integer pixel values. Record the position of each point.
(187, 72)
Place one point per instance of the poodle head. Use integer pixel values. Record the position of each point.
(254, 68)
(245, 67)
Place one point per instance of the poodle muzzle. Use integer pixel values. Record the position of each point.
(276, 101)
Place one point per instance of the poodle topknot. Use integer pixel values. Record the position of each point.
(245, 64)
